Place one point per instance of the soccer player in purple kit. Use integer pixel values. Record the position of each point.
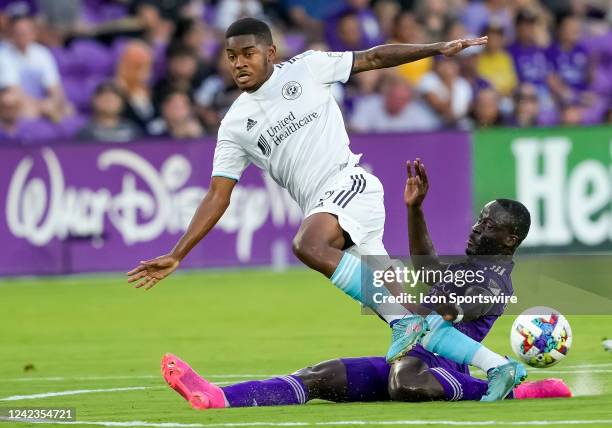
(420, 375)
(287, 123)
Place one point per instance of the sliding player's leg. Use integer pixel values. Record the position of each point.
(318, 245)
(340, 380)
(423, 376)
(202, 394)
(356, 207)
(412, 379)
(347, 380)
(442, 338)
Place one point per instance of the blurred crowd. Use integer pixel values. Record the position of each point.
(117, 70)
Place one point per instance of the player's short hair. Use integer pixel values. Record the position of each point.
(520, 219)
(248, 26)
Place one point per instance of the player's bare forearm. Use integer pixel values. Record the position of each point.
(422, 251)
(390, 55)
(418, 234)
(385, 56)
(206, 216)
(150, 272)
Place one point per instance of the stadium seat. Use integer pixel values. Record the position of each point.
(95, 58)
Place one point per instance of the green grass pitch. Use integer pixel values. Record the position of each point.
(98, 335)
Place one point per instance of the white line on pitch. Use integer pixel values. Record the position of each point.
(72, 392)
(330, 423)
(120, 377)
(560, 370)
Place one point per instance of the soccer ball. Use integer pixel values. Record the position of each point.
(541, 336)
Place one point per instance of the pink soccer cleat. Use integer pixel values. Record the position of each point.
(200, 393)
(545, 388)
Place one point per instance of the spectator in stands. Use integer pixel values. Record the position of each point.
(190, 32)
(485, 110)
(31, 67)
(181, 69)
(469, 71)
(386, 12)
(308, 15)
(447, 95)
(177, 118)
(571, 76)
(133, 78)
(348, 33)
(11, 124)
(529, 58)
(200, 38)
(159, 17)
(106, 123)
(408, 29)
(394, 109)
(571, 65)
(571, 114)
(435, 17)
(229, 11)
(215, 96)
(526, 107)
(14, 127)
(477, 15)
(363, 23)
(495, 64)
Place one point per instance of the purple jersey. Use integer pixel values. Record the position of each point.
(530, 63)
(572, 65)
(368, 377)
(494, 277)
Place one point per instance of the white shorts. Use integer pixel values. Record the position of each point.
(356, 197)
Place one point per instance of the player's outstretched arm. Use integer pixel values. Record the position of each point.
(217, 199)
(422, 251)
(385, 56)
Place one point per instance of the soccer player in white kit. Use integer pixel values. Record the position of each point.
(287, 123)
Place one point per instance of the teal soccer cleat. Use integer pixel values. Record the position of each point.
(503, 379)
(404, 335)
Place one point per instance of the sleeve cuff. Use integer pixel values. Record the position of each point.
(350, 72)
(225, 175)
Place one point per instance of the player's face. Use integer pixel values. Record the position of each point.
(490, 235)
(251, 62)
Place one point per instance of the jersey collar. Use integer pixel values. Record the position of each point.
(267, 86)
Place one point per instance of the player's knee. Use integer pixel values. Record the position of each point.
(409, 381)
(307, 250)
(324, 380)
(410, 392)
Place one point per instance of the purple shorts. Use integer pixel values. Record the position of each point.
(368, 377)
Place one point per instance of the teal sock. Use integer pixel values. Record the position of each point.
(356, 279)
(446, 340)
(347, 276)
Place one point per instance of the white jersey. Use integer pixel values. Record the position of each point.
(290, 127)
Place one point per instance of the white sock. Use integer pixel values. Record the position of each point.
(392, 318)
(485, 359)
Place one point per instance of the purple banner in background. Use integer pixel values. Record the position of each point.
(92, 207)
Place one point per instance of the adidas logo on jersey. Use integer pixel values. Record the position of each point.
(250, 124)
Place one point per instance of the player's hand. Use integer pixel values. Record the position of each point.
(150, 272)
(417, 184)
(456, 46)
